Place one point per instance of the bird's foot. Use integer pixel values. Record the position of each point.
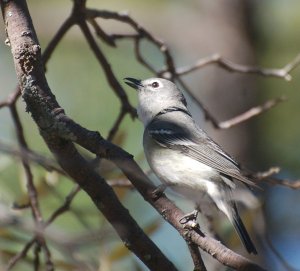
(190, 220)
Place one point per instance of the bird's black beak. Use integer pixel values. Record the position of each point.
(134, 83)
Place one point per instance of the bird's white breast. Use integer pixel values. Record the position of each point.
(177, 169)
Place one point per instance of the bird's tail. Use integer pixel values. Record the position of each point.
(241, 230)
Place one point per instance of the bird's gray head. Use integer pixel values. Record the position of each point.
(155, 95)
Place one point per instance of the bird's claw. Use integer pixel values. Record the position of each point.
(190, 220)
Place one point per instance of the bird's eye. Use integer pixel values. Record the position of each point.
(154, 84)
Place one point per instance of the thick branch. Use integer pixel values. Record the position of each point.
(43, 107)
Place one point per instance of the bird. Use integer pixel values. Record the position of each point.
(182, 155)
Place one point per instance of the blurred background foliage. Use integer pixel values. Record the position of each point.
(247, 32)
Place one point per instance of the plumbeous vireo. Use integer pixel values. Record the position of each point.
(182, 155)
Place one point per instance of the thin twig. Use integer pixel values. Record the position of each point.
(207, 114)
(59, 211)
(171, 72)
(112, 80)
(143, 33)
(124, 36)
(30, 156)
(48, 261)
(65, 206)
(68, 23)
(13, 261)
(213, 59)
(284, 182)
(50, 165)
(77, 213)
(266, 177)
(291, 66)
(32, 192)
(233, 67)
(114, 129)
(101, 34)
(265, 174)
(138, 54)
(12, 98)
(254, 111)
(36, 253)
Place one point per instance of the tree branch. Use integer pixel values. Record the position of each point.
(12, 262)
(252, 112)
(32, 193)
(266, 176)
(69, 22)
(79, 14)
(59, 133)
(172, 73)
(31, 156)
(233, 67)
(64, 207)
(197, 258)
(44, 109)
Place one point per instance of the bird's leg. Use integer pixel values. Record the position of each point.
(159, 190)
(190, 220)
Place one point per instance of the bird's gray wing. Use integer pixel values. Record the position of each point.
(196, 145)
